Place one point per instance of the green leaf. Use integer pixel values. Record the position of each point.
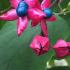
(15, 53)
(4, 4)
(65, 3)
(68, 6)
(2, 23)
(67, 19)
(58, 30)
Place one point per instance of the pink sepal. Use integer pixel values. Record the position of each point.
(21, 25)
(44, 27)
(10, 15)
(34, 23)
(52, 19)
(35, 14)
(14, 3)
(33, 3)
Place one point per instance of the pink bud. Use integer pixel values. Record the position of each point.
(61, 48)
(40, 45)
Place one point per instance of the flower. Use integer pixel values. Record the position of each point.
(45, 7)
(40, 45)
(20, 10)
(62, 48)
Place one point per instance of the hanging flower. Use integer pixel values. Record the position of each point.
(40, 45)
(20, 10)
(45, 7)
(62, 48)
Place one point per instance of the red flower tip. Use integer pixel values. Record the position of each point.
(40, 45)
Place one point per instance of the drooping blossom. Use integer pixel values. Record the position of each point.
(62, 48)
(40, 44)
(37, 43)
(20, 10)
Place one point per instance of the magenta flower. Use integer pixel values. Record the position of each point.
(62, 48)
(21, 10)
(45, 7)
(40, 45)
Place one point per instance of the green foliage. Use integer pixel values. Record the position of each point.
(4, 4)
(15, 53)
(58, 30)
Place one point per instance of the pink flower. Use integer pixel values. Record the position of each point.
(45, 7)
(40, 45)
(62, 48)
(21, 10)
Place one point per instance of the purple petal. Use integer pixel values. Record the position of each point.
(14, 3)
(22, 25)
(10, 15)
(45, 4)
